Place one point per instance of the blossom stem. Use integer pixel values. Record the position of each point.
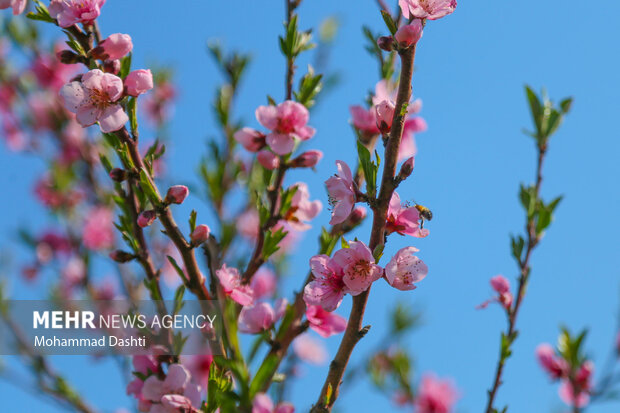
(354, 331)
(524, 274)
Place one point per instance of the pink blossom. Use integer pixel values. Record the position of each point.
(94, 100)
(139, 82)
(144, 364)
(287, 122)
(263, 404)
(199, 365)
(174, 403)
(146, 218)
(263, 283)
(408, 146)
(405, 269)
(358, 266)
(427, 9)
(50, 72)
(555, 366)
(342, 194)
(250, 139)
(364, 120)
(302, 210)
(409, 34)
(200, 234)
(385, 114)
(98, 232)
(268, 159)
(501, 286)
(177, 194)
(248, 223)
(326, 324)
(328, 288)
(435, 395)
(308, 159)
(310, 350)
(177, 382)
(70, 12)
(260, 317)
(230, 281)
(18, 5)
(74, 272)
(116, 46)
(403, 220)
(571, 397)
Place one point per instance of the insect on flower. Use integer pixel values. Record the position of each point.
(425, 214)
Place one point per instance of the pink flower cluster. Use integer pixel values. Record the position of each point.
(427, 9)
(96, 97)
(404, 220)
(70, 12)
(435, 395)
(575, 386)
(378, 119)
(287, 123)
(175, 393)
(352, 270)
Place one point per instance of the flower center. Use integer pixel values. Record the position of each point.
(99, 98)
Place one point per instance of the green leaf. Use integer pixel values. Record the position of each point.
(178, 299)
(272, 239)
(266, 370)
(387, 18)
(131, 112)
(378, 252)
(147, 187)
(176, 267)
(192, 221)
(369, 168)
(125, 66)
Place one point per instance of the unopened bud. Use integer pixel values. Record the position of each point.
(146, 218)
(308, 159)
(67, 57)
(199, 235)
(112, 66)
(357, 215)
(268, 159)
(121, 256)
(406, 169)
(385, 114)
(176, 194)
(386, 43)
(409, 35)
(118, 175)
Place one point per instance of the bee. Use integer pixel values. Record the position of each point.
(425, 214)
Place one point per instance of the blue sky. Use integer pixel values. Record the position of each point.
(471, 68)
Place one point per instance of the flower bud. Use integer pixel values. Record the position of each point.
(112, 66)
(308, 159)
(357, 215)
(199, 235)
(386, 43)
(139, 82)
(176, 194)
(250, 139)
(409, 34)
(268, 159)
(385, 114)
(146, 218)
(121, 256)
(118, 175)
(116, 46)
(406, 169)
(67, 57)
